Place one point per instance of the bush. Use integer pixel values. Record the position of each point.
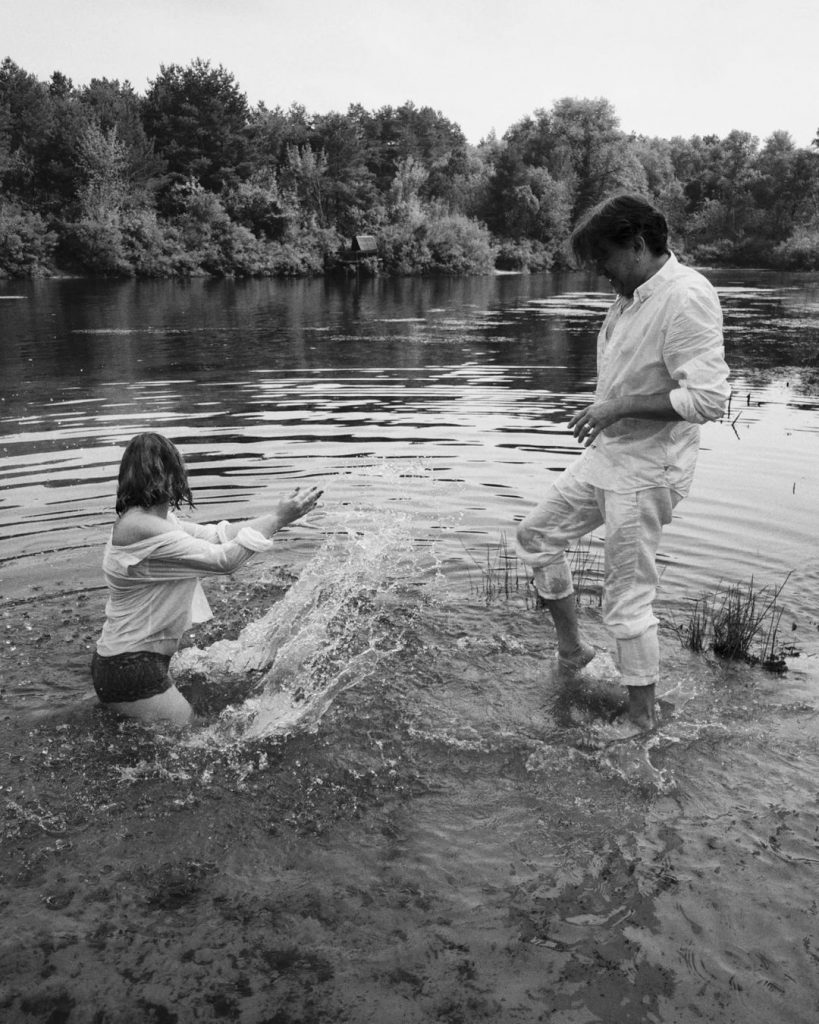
(257, 205)
(403, 248)
(458, 245)
(26, 245)
(713, 254)
(153, 248)
(525, 255)
(96, 246)
(800, 251)
(746, 251)
(234, 251)
(212, 241)
(433, 243)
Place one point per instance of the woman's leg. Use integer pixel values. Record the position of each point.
(169, 706)
(137, 684)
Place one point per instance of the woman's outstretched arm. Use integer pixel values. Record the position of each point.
(297, 504)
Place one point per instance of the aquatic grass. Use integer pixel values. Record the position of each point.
(587, 572)
(501, 575)
(694, 632)
(739, 622)
(773, 652)
(735, 622)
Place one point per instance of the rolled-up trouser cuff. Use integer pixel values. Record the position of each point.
(554, 581)
(638, 659)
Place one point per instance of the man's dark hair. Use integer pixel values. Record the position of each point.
(152, 472)
(618, 221)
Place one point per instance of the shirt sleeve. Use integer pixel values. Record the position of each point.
(213, 532)
(695, 358)
(179, 555)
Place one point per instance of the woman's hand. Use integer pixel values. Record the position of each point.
(296, 505)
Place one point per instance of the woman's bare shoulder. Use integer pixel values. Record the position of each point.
(136, 525)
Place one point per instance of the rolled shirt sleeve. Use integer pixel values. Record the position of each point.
(215, 533)
(695, 358)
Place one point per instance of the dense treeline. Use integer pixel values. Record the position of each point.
(189, 179)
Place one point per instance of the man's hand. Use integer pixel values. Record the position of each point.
(593, 420)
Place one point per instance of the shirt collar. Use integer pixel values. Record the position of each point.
(658, 280)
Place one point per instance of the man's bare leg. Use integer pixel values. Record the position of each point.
(572, 650)
(641, 710)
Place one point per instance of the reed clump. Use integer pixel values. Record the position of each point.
(740, 622)
(500, 575)
(587, 572)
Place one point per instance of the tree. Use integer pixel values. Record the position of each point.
(26, 117)
(393, 134)
(258, 205)
(467, 189)
(728, 211)
(786, 186)
(304, 176)
(58, 172)
(198, 119)
(117, 106)
(588, 148)
(538, 208)
(350, 190)
(551, 167)
(270, 132)
(103, 161)
(655, 156)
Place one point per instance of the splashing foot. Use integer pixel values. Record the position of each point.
(575, 659)
(641, 710)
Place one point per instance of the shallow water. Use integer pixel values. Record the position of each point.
(397, 811)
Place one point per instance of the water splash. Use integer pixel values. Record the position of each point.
(336, 626)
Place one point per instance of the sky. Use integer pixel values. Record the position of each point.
(693, 67)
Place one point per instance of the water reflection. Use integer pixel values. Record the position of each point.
(261, 381)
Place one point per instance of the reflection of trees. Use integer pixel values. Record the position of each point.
(770, 323)
(202, 348)
(127, 330)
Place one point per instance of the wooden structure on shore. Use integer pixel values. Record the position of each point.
(360, 256)
(363, 246)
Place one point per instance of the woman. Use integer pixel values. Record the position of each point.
(152, 565)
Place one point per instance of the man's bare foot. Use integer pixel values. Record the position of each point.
(641, 710)
(573, 660)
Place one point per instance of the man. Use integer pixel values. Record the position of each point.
(661, 373)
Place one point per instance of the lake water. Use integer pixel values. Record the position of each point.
(396, 813)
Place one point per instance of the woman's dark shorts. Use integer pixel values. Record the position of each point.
(132, 676)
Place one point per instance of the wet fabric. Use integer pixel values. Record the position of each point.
(154, 593)
(666, 339)
(634, 524)
(128, 677)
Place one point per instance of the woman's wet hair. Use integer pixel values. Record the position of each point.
(152, 472)
(618, 221)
